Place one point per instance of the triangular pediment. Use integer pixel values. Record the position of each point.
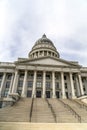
(48, 61)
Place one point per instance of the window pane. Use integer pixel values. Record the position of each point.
(48, 84)
(39, 76)
(30, 84)
(48, 76)
(57, 85)
(31, 75)
(20, 83)
(6, 93)
(7, 84)
(39, 84)
(9, 76)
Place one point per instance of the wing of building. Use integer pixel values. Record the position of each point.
(42, 75)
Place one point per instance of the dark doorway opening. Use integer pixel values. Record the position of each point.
(57, 94)
(29, 93)
(38, 94)
(47, 94)
(67, 95)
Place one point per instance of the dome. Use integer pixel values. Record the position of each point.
(43, 47)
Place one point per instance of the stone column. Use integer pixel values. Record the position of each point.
(24, 89)
(72, 87)
(15, 82)
(44, 84)
(85, 83)
(77, 87)
(11, 83)
(2, 84)
(63, 86)
(81, 85)
(53, 84)
(34, 85)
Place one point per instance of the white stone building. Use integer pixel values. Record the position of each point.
(43, 74)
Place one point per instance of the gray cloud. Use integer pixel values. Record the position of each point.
(22, 22)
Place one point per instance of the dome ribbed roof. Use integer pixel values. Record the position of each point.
(43, 47)
(44, 40)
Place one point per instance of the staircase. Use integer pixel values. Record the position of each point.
(41, 112)
(79, 110)
(19, 112)
(63, 115)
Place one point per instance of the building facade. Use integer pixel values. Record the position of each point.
(43, 74)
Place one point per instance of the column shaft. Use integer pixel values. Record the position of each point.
(53, 84)
(44, 84)
(62, 86)
(2, 84)
(11, 83)
(78, 87)
(81, 85)
(72, 87)
(14, 89)
(34, 85)
(24, 90)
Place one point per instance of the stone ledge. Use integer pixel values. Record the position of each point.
(42, 126)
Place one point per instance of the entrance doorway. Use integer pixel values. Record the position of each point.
(57, 94)
(38, 94)
(67, 95)
(47, 94)
(29, 93)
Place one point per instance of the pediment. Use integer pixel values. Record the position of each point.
(48, 61)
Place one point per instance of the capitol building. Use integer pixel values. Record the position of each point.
(43, 74)
(29, 84)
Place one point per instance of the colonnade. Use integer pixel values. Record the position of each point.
(14, 82)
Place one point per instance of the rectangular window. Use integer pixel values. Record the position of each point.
(1, 75)
(9, 76)
(20, 83)
(6, 93)
(29, 93)
(7, 84)
(65, 78)
(56, 76)
(39, 76)
(30, 84)
(31, 76)
(22, 75)
(65, 85)
(39, 84)
(57, 85)
(48, 85)
(48, 76)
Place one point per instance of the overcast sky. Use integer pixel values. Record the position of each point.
(22, 22)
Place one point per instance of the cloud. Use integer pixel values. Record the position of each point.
(22, 22)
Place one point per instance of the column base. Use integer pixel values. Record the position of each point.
(74, 97)
(54, 96)
(33, 96)
(64, 97)
(23, 96)
(43, 96)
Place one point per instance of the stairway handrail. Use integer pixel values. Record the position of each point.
(52, 110)
(72, 110)
(82, 105)
(31, 108)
